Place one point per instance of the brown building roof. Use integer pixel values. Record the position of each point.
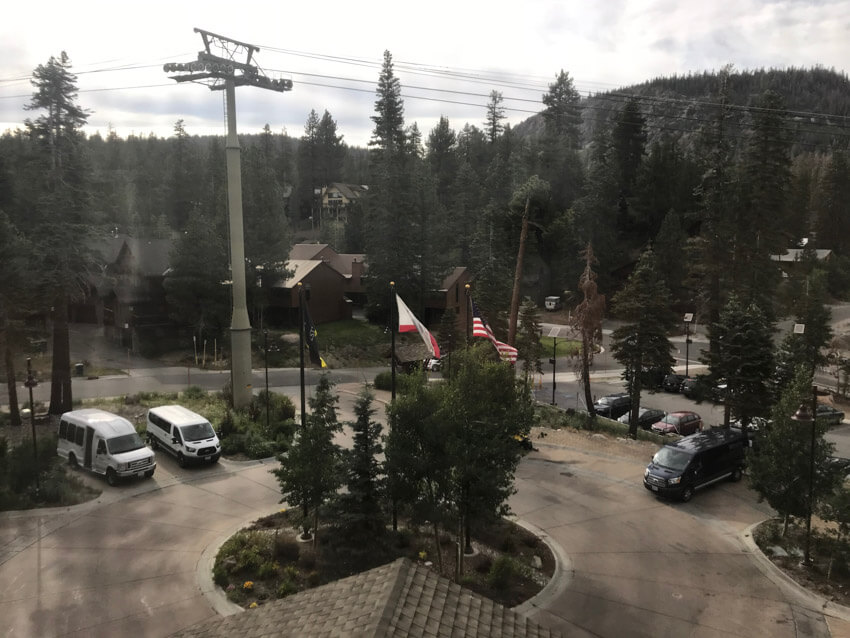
(401, 598)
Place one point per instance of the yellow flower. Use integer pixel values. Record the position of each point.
(248, 585)
(283, 510)
(252, 606)
(423, 555)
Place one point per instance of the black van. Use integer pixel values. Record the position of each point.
(680, 468)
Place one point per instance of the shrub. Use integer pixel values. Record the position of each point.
(286, 588)
(194, 393)
(256, 447)
(268, 570)
(233, 444)
(482, 563)
(404, 383)
(501, 572)
(285, 549)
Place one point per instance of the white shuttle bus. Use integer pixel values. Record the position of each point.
(105, 444)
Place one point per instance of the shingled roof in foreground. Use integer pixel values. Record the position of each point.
(401, 598)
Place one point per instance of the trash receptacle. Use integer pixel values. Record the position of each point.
(79, 369)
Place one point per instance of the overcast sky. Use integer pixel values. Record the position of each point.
(448, 55)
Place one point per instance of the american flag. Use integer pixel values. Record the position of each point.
(481, 329)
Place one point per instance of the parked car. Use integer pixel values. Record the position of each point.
(829, 415)
(673, 382)
(553, 303)
(646, 417)
(756, 424)
(693, 387)
(613, 406)
(679, 469)
(682, 422)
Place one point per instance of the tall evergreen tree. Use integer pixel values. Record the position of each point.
(528, 337)
(559, 161)
(442, 158)
(628, 144)
(359, 509)
(495, 116)
(743, 359)
(762, 219)
(833, 205)
(310, 472)
(641, 344)
(59, 224)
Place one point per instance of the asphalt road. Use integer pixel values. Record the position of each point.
(136, 560)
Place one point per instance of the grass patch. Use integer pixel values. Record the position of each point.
(563, 348)
(553, 417)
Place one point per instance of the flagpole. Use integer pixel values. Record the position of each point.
(468, 312)
(392, 332)
(301, 350)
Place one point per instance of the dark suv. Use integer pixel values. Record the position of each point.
(613, 406)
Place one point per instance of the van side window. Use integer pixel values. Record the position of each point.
(78, 439)
(159, 422)
(63, 429)
(70, 434)
(101, 447)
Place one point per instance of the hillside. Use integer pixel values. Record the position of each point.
(817, 101)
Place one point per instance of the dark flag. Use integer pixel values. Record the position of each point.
(310, 338)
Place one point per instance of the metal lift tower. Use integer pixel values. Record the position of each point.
(223, 71)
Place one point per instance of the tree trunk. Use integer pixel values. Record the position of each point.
(61, 399)
(585, 373)
(512, 321)
(14, 410)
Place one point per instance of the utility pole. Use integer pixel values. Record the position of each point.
(225, 72)
(512, 320)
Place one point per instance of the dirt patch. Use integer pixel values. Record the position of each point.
(595, 442)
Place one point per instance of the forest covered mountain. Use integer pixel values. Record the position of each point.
(817, 102)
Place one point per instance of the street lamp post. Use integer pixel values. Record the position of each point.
(806, 415)
(266, 347)
(689, 317)
(30, 383)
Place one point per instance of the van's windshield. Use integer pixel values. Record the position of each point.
(197, 431)
(125, 443)
(671, 458)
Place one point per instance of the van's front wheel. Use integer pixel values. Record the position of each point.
(72, 461)
(687, 494)
(737, 474)
(181, 460)
(111, 477)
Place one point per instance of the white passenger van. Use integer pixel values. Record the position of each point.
(104, 443)
(183, 433)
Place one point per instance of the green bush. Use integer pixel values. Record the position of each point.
(268, 570)
(501, 572)
(233, 444)
(194, 393)
(286, 588)
(285, 549)
(404, 383)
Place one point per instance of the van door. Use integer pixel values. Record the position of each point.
(101, 456)
(87, 447)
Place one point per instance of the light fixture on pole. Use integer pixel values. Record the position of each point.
(806, 416)
(689, 317)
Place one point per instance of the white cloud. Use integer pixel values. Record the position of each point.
(603, 45)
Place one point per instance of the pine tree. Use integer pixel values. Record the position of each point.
(310, 472)
(528, 337)
(495, 115)
(743, 359)
(388, 134)
(359, 510)
(641, 344)
(59, 224)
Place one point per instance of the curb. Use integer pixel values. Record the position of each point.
(560, 580)
(793, 589)
(218, 600)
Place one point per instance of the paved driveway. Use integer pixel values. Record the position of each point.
(129, 563)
